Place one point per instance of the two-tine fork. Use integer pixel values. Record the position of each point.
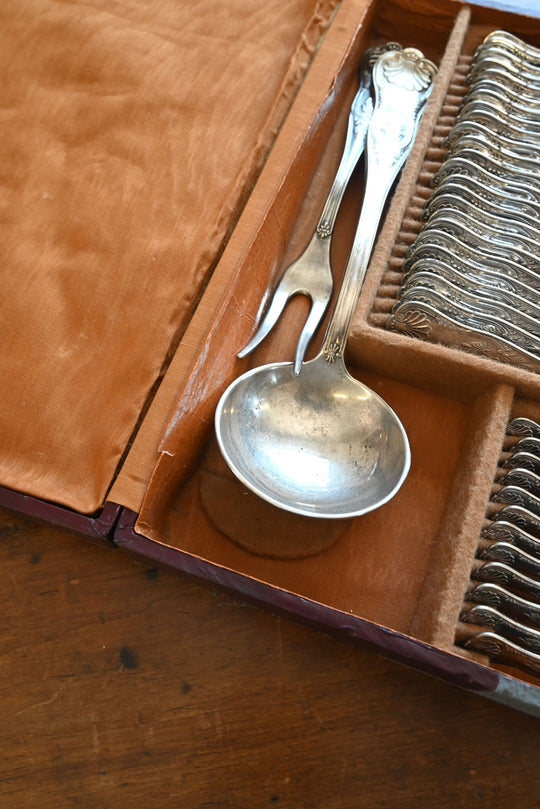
(311, 273)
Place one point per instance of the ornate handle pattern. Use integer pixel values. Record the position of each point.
(403, 81)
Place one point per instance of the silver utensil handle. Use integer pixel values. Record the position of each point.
(502, 599)
(509, 554)
(503, 651)
(523, 426)
(357, 126)
(402, 82)
(515, 631)
(500, 573)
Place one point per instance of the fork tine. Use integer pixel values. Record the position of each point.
(315, 316)
(277, 305)
(311, 273)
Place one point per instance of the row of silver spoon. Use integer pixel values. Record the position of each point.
(504, 597)
(472, 275)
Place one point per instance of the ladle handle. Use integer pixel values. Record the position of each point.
(402, 81)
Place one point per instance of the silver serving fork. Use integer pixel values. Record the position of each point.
(311, 274)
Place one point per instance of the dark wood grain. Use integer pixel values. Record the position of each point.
(124, 685)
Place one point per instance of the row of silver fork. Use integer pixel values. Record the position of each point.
(503, 603)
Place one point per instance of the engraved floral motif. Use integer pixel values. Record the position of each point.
(484, 617)
(324, 229)
(529, 464)
(360, 111)
(410, 322)
(498, 532)
(519, 520)
(402, 78)
(333, 351)
(505, 555)
(389, 126)
(493, 598)
(521, 428)
(496, 352)
(408, 70)
(519, 478)
(485, 644)
(492, 573)
(482, 349)
(515, 497)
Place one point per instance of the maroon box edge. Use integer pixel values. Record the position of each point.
(98, 527)
(394, 645)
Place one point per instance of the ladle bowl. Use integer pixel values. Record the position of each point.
(320, 444)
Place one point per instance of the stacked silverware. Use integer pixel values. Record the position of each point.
(502, 607)
(472, 276)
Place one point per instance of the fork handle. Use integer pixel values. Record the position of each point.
(359, 117)
(355, 139)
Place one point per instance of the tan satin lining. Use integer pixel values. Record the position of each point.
(130, 135)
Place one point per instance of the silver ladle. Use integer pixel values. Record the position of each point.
(321, 443)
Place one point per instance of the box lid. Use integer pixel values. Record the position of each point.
(130, 140)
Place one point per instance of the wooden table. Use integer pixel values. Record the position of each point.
(127, 686)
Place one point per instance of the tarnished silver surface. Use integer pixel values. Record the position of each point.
(512, 81)
(469, 238)
(311, 273)
(498, 60)
(486, 206)
(523, 426)
(500, 573)
(508, 599)
(523, 478)
(515, 495)
(522, 460)
(489, 110)
(436, 318)
(490, 176)
(486, 106)
(519, 515)
(502, 160)
(495, 61)
(504, 531)
(509, 628)
(464, 190)
(510, 95)
(428, 322)
(503, 599)
(420, 284)
(488, 241)
(321, 443)
(485, 157)
(511, 44)
(529, 443)
(436, 244)
(513, 556)
(503, 143)
(504, 651)
(492, 286)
